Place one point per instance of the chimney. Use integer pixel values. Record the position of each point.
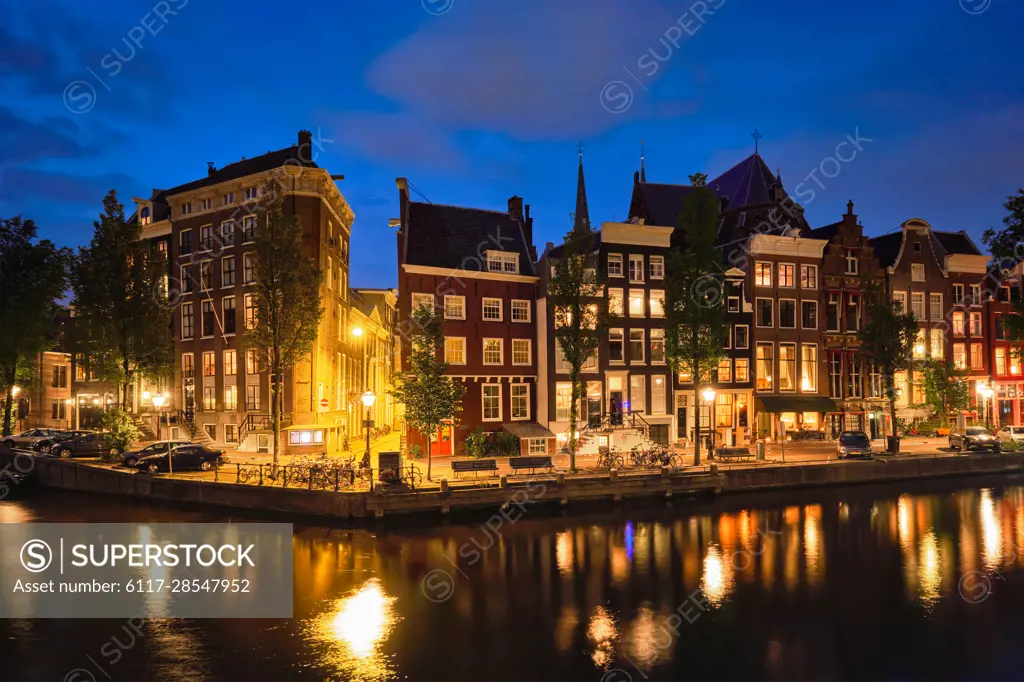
(305, 147)
(850, 218)
(515, 207)
(210, 168)
(849, 207)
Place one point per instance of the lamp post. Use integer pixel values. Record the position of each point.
(68, 403)
(368, 399)
(357, 333)
(709, 397)
(986, 395)
(158, 403)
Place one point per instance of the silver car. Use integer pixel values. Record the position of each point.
(1014, 433)
(28, 440)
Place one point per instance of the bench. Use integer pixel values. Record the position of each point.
(462, 466)
(531, 463)
(724, 454)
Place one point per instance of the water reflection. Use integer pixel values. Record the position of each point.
(354, 630)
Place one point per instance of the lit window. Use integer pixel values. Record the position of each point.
(538, 446)
(657, 267)
(636, 302)
(209, 364)
(787, 275)
(615, 297)
(958, 323)
(937, 342)
(230, 362)
(725, 370)
(455, 350)
(425, 301)
(520, 399)
(765, 366)
(658, 346)
(498, 261)
(960, 355)
(787, 367)
(520, 310)
(809, 368)
(657, 303)
(808, 276)
(521, 354)
(491, 394)
(1000, 361)
(977, 356)
(742, 370)
(252, 397)
(492, 309)
(231, 398)
(492, 351)
(454, 307)
(762, 274)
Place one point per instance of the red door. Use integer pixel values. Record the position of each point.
(443, 446)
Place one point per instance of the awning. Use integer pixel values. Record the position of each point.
(527, 430)
(794, 403)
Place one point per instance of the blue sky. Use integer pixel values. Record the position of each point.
(477, 100)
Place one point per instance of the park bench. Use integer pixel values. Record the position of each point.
(462, 466)
(531, 463)
(727, 454)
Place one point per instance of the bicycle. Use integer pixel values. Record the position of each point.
(610, 460)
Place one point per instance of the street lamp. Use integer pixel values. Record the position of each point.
(158, 403)
(709, 397)
(368, 399)
(67, 403)
(986, 393)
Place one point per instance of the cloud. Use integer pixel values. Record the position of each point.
(23, 141)
(397, 138)
(25, 185)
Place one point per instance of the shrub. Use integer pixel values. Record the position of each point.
(415, 452)
(121, 432)
(476, 443)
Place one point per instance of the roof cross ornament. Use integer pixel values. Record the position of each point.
(757, 139)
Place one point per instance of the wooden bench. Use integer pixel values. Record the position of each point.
(724, 454)
(462, 466)
(530, 462)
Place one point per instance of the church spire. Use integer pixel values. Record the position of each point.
(581, 218)
(643, 172)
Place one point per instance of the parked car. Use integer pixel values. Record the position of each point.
(973, 438)
(58, 437)
(89, 445)
(29, 439)
(853, 444)
(189, 457)
(132, 457)
(1014, 433)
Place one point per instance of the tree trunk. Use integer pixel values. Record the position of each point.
(892, 416)
(124, 386)
(430, 457)
(9, 401)
(696, 420)
(275, 415)
(574, 380)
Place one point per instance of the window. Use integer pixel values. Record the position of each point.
(248, 229)
(659, 395)
(958, 294)
(636, 345)
(733, 304)
(977, 356)
(835, 374)
(329, 274)
(917, 305)
(958, 323)
(727, 343)
(252, 397)
(1000, 361)
(787, 314)
(636, 268)
(919, 347)
(230, 363)
(615, 265)
(206, 237)
(209, 364)
(454, 307)
(917, 272)
(615, 341)
(851, 262)
(1000, 326)
(765, 365)
(227, 272)
(638, 393)
(187, 366)
(657, 303)
(185, 208)
(227, 232)
(832, 313)
(563, 392)
(658, 346)
(787, 367)
(145, 216)
(975, 294)
(248, 268)
(725, 371)
(935, 306)
(808, 276)
(499, 261)
(228, 199)
(58, 409)
(975, 324)
(60, 376)
(228, 314)
(899, 299)
(491, 402)
(937, 342)
(230, 398)
(657, 267)
(762, 274)
(206, 275)
(521, 352)
(787, 275)
(492, 351)
(636, 302)
(455, 350)
(874, 381)
(249, 311)
(852, 312)
(492, 309)
(809, 368)
(422, 301)
(742, 370)
(1014, 364)
(185, 242)
(520, 401)
(742, 334)
(764, 312)
(615, 299)
(252, 362)
(187, 328)
(210, 401)
(960, 355)
(520, 310)
(538, 446)
(251, 193)
(853, 383)
(208, 319)
(809, 314)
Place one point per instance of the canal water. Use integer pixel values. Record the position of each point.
(908, 582)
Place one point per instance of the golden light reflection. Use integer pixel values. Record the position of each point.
(930, 569)
(717, 580)
(991, 535)
(602, 633)
(563, 553)
(812, 544)
(355, 629)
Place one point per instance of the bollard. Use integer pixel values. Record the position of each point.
(560, 479)
(503, 481)
(664, 472)
(613, 475)
(714, 470)
(444, 486)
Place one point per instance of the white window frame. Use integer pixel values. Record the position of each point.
(917, 269)
(224, 315)
(643, 303)
(502, 262)
(657, 298)
(771, 274)
(208, 265)
(639, 259)
(622, 346)
(900, 297)
(462, 340)
(718, 371)
(616, 258)
(800, 365)
(461, 300)
(501, 352)
(483, 309)
(529, 352)
(730, 308)
(660, 260)
(935, 315)
(419, 300)
(643, 347)
(851, 257)
(483, 402)
(620, 296)
(542, 449)
(802, 304)
(233, 354)
(796, 313)
(746, 327)
(757, 321)
(795, 274)
(812, 273)
(511, 401)
(526, 307)
(957, 300)
(192, 317)
(234, 273)
(650, 340)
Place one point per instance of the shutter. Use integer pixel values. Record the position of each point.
(524, 446)
(551, 446)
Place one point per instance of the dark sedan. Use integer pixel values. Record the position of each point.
(132, 457)
(973, 438)
(185, 458)
(854, 444)
(59, 437)
(89, 445)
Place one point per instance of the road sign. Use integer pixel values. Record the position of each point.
(323, 403)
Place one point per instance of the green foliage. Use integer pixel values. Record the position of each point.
(287, 296)
(1007, 246)
(580, 318)
(33, 273)
(945, 388)
(122, 316)
(121, 432)
(695, 315)
(415, 452)
(429, 395)
(475, 443)
(482, 443)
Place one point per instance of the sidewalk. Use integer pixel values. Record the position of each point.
(356, 449)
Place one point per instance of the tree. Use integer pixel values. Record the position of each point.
(33, 274)
(121, 433)
(579, 320)
(429, 395)
(121, 316)
(945, 388)
(695, 315)
(1007, 246)
(887, 338)
(287, 297)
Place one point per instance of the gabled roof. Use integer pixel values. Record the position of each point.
(659, 204)
(457, 237)
(557, 250)
(956, 242)
(887, 248)
(748, 183)
(825, 232)
(239, 169)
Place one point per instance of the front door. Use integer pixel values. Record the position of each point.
(594, 412)
(680, 422)
(615, 407)
(443, 446)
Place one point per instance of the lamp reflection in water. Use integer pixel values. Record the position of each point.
(359, 623)
(991, 532)
(716, 581)
(602, 633)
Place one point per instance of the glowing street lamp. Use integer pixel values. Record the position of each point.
(709, 397)
(368, 399)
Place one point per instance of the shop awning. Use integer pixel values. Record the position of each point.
(794, 403)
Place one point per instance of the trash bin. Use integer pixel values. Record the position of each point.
(760, 450)
(893, 444)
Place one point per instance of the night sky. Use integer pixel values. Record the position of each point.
(477, 100)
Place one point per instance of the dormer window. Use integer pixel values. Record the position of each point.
(185, 208)
(501, 261)
(229, 198)
(851, 262)
(145, 216)
(251, 193)
(205, 204)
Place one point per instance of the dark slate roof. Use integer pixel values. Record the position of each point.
(557, 250)
(956, 242)
(662, 203)
(887, 247)
(456, 237)
(748, 183)
(825, 232)
(240, 169)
